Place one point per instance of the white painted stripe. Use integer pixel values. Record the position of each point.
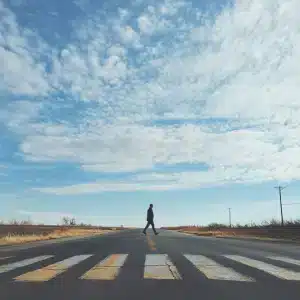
(286, 259)
(159, 266)
(71, 261)
(213, 270)
(50, 271)
(107, 269)
(114, 260)
(265, 267)
(6, 257)
(22, 263)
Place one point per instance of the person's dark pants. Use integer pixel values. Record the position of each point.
(148, 224)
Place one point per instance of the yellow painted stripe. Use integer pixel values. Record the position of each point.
(108, 269)
(159, 266)
(151, 244)
(49, 272)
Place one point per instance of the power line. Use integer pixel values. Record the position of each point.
(280, 188)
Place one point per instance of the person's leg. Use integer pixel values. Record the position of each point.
(153, 227)
(147, 225)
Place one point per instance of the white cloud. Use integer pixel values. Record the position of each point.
(149, 24)
(90, 188)
(116, 50)
(20, 71)
(18, 116)
(110, 148)
(128, 36)
(171, 181)
(240, 69)
(171, 7)
(145, 24)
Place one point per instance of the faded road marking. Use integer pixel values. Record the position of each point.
(286, 259)
(22, 263)
(49, 272)
(108, 269)
(265, 267)
(159, 266)
(151, 244)
(213, 270)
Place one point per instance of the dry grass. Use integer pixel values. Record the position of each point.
(56, 234)
(215, 233)
(222, 234)
(293, 235)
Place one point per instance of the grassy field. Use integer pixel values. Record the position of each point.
(266, 230)
(18, 234)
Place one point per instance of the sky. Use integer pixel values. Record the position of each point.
(107, 106)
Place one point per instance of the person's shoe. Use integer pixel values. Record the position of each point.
(156, 233)
(144, 232)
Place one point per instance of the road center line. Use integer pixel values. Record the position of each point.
(151, 244)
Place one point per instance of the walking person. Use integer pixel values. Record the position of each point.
(150, 220)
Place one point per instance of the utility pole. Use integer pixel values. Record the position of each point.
(280, 188)
(229, 210)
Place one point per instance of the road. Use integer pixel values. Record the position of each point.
(128, 265)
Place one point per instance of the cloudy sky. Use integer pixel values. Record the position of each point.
(106, 106)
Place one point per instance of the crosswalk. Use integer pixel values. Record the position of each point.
(106, 269)
(155, 267)
(213, 270)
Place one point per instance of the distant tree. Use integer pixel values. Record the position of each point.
(65, 221)
(13, 222)
(26, 222)
(216, 226)
(72, 222)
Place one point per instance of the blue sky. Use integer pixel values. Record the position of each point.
(108, 106)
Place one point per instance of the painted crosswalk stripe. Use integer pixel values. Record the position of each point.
(22, 263)
(268, 268)
(159, 266)
(213, 270)
(107, 269)
(286, 259)
(49, 272)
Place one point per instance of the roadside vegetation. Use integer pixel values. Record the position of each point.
(17, 232)
(273, 223)
(266, 230)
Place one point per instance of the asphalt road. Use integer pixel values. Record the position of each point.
(129, 265)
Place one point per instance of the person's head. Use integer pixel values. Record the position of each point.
(151, 205)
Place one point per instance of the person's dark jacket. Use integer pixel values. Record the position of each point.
(150, 215)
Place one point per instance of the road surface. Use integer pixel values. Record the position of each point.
(128, 265)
